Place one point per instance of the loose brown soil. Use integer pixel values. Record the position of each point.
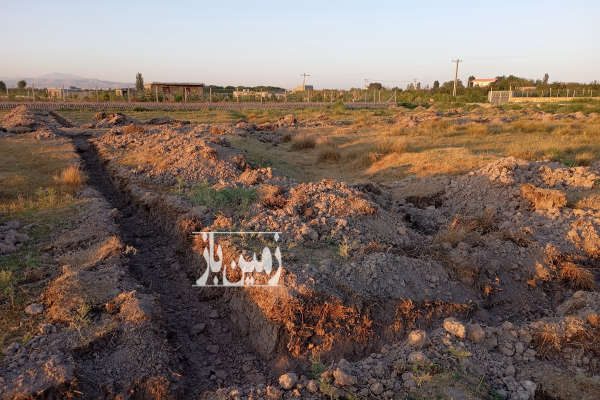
(478, 285)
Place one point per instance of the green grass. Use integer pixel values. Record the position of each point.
(234, 198)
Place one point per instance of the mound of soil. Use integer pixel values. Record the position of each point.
(177, 153)
(22, 119)
(110, 120)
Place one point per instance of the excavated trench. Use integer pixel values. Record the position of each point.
(208, 352)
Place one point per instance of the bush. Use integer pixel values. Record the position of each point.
(388, 146)
(303, 143)
(329, 156)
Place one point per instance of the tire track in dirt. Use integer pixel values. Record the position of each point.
(209, 353)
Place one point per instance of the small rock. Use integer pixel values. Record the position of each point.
(491, 342)
(510, 371)
(345, 365)
(274, 393)
(343, 378)
(212, 348)
(507, 349)
(476, 333)
(417, 357)
(519, 347)
(47, 329)
(198, 328)
(455, 327)
(530, 386)
(418, 339)
(12, 349)
(312, 386)
(221, 374)
(34, 309)
(408, 380)
(377, 388)
(287, 381)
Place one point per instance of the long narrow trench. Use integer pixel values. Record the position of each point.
(209, 354)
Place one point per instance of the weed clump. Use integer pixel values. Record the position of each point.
(303, 143)
(230, 197)
(329, 156)
(577, 277)
(72, 177)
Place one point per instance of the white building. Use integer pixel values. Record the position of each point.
(483, 82)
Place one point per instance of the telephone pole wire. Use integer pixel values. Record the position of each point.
(455, 75)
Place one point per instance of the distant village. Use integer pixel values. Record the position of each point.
(475, 90)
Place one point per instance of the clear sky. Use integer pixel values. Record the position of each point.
(339, 43)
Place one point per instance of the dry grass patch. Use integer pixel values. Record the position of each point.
(577, 277)
(71, 177)
(303, 143)
(584, 199)
(547, 339)
(37, 175)
(329, 155)
(395, 145)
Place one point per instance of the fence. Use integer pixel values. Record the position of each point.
(53, 106)
(499, 96)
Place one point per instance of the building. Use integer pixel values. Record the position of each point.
(63, 93)
(302, 88)
(250, 93)
(264, 94)
(125, 92)
(174, 88)
(483, 82)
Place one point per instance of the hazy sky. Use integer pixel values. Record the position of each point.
(339, 43)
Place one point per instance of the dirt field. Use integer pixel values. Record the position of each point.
(427, 253)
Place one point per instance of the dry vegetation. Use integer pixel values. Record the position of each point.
(36, 175)
(38, 182)
(373, 148)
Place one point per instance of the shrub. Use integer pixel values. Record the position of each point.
(329, 156)
(577, 277)
(495, 129)
(72, 177)
(388, 146)
(303, 143)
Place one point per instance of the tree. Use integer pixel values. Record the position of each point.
(470, 81)
(139, 82)
(436, 84)
(546, 77)
(2, 87)
(375, 85)
(21, 84)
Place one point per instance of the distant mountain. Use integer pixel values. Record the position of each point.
(57, 80)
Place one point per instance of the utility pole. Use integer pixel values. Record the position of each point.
(304, 75)
(455, 75)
